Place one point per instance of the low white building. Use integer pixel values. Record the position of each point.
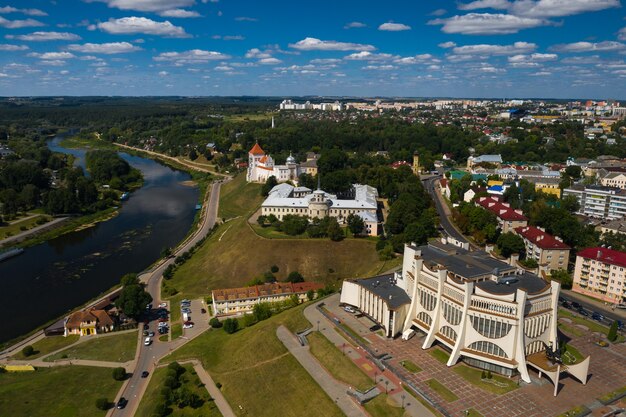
(286, 199)
(483, 311)
(261, 166)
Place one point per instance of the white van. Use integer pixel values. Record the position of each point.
(147, 342)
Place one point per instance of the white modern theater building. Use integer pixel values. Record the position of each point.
(484, 311)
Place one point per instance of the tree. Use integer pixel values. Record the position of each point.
(269, 184)
(28, 350)
(510, 243)
(133, 297)
(193, 155)
(307, 180)
(356, 224)
(570, 203)
(119, 374)
(334, 230)
(562, 276)
(310, 295)
(215, 323)
(295, 276)
(231, 325)
(274, 269)
(102, 404)
(574, 171)
(262, 311)
(294, 225)
(612, 335)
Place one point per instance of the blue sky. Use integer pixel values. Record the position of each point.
(483, 48)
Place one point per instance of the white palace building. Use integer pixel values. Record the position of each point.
(286, 199)
(485, 312)
(261, 166)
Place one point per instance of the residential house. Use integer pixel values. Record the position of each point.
(547, 250)
(508, 218)
(599, 273)
(89, 322)
(239, 301)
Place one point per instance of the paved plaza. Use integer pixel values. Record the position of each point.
(607, 372)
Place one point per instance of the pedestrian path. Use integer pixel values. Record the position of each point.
(336, 390)
(213, 390)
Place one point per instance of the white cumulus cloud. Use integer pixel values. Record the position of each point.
(104, 48)
(29, 12)
(487, 24)
(17, 24)
(134, 24)
(52, 55)
(314, 44)
(180, 13)
(417, 59)
(393, 27)
(621, 35)
(7, 47)
(368, 56)
(486, 49)
(194, 56)
(353, 25)
(146, 5)
(45, 36)
(589, 46)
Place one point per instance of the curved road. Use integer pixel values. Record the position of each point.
(442, 210)
(148, 356)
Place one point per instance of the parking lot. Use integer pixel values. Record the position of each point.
(200, 320)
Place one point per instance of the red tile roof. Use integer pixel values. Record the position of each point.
(540, 238)
(256, 150)
(443, 182)
(502, 210)
(608, 256)
(277, 288)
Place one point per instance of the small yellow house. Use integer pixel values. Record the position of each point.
(85, 323)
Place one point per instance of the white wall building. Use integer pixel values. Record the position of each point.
(286, 199)
(483, 311)
(261, 167)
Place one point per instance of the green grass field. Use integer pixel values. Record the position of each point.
(497, 384)
(63, 391)
(77, 142)
(339, 365)
(48, 345)
(191, 382)
(440, 355)
(21, 226)
(116, 348)
(256, 370)
(592, 325)
(383, 406)
(234, 254)
(410, 366)
(442, 390)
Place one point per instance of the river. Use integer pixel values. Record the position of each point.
(52, 278)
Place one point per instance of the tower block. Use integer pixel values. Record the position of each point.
(417, 169)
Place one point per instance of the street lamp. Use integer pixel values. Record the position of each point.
(343, 349)
(318, 325)
(403, 397)
(386, 387)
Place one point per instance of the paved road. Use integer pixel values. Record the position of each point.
(22, 235)
(148, 356)
(442, 210)
(590, 306)
(334, 389)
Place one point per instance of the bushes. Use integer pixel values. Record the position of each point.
(215, 323)
(28, 351)
(295, 276)
(612, 335)
(102, 404)
(231, 325)
(119, 374)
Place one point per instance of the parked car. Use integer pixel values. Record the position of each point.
(375, 327)
(163, 330)
(185, 301)
(151, 334)
(185, 310)
(145, 333)
(187, 326)
(147, 341)
(583, 312)
(122, 403)
(146, 326)
(576, 305)
(597, 316)
(620, 324)
(567, 304)
(145, 374)
(562, 299)
(349, 309)
(162, 324)
(163, 305)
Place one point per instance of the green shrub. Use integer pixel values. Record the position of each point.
(119, 374)
(612, 335)
(215, 323)
(28, 350)
(102, 404)
(231, 325)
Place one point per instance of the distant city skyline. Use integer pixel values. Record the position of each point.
(560, 49)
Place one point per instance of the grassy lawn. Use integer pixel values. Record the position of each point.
(63, 391)
(474, 413)
(613, 394)
(19, 227)
(497, 384)
(579, 410)
(592, 325)
(410, 366)
(441, 355)
(571, 330)
(225, 261)
(383, 406)
(117, 348)
(572, 355)
(441, 389)
(177, 330)
(339, 365)
(77, 142)
(257, 372)
(191, 382)
(422, 401)
(351, 332)
(47, 345)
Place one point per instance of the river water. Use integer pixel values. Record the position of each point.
(52, 278)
